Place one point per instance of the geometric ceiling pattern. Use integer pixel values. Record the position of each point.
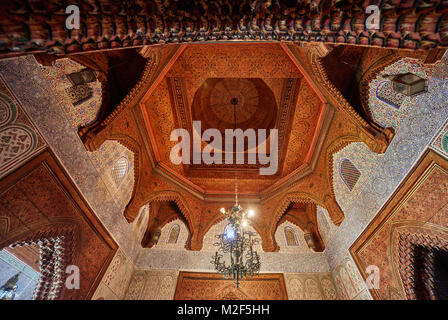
(345, 140)
(276, 86)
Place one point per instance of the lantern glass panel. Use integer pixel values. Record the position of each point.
(409, 78)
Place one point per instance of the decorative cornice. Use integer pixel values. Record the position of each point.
(111, 25)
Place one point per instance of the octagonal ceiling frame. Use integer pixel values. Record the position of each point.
(159, 172)
(323, 124)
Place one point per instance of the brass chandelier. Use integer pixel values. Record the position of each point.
(236, 242)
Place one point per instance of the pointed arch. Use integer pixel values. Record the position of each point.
(286, 201)
(336, 146)
(290, 236)
(173, 234)
(218, 218)
(181, 203)
(132, 145)
(58, 244)
(404, 238)
(120, 169)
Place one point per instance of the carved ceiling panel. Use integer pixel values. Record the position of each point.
(270, 93)
(290, 90)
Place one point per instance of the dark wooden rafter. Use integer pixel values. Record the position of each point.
(39, 26)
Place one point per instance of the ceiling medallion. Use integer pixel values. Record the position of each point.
(236, 242)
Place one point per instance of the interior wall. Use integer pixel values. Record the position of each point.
(212, 286)
(349, 283)
(34, 90)
(165, 233)
(178, 258)
(416, 127)
(311, 286)
(116, 280)
(417, 124)
(20, 139)
(152, 285)
(162, 284)
(301, 245)
(40, 206)
(119, 275)
(416, 215)
(326, 227)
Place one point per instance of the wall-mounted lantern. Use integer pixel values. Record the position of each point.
(408, 83)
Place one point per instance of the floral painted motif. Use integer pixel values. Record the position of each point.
(18, 138)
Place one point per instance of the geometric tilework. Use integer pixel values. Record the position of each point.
(116, 279)
(310, 286)
(348, 173)
(325, 225)
(152, 285)
(164, 256)
(349, 282)
(80, 103)
(8, 111)
(16, 142)
(387, 107)
(364, 160)
(115, 164)
(79, 93)
(173, 236)
(291, 239)
(38, 90)
(387, 94)
(18, 139)
(416, 124)
(445, 141)
(440, 142)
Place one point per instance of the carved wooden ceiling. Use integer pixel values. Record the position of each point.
(308, 86)
(279, 86)
(161, 66)
(271, 91)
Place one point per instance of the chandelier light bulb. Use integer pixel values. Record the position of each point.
(244, 223)
(251, 213)
(223, 210)
(230, 234)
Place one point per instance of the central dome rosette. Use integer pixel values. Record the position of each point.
(214, 102)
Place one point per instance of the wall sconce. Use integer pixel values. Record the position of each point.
(309, 240)
(82, 77)
(408, 83)
(156, 236)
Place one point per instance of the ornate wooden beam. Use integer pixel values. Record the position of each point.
(39, 26)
